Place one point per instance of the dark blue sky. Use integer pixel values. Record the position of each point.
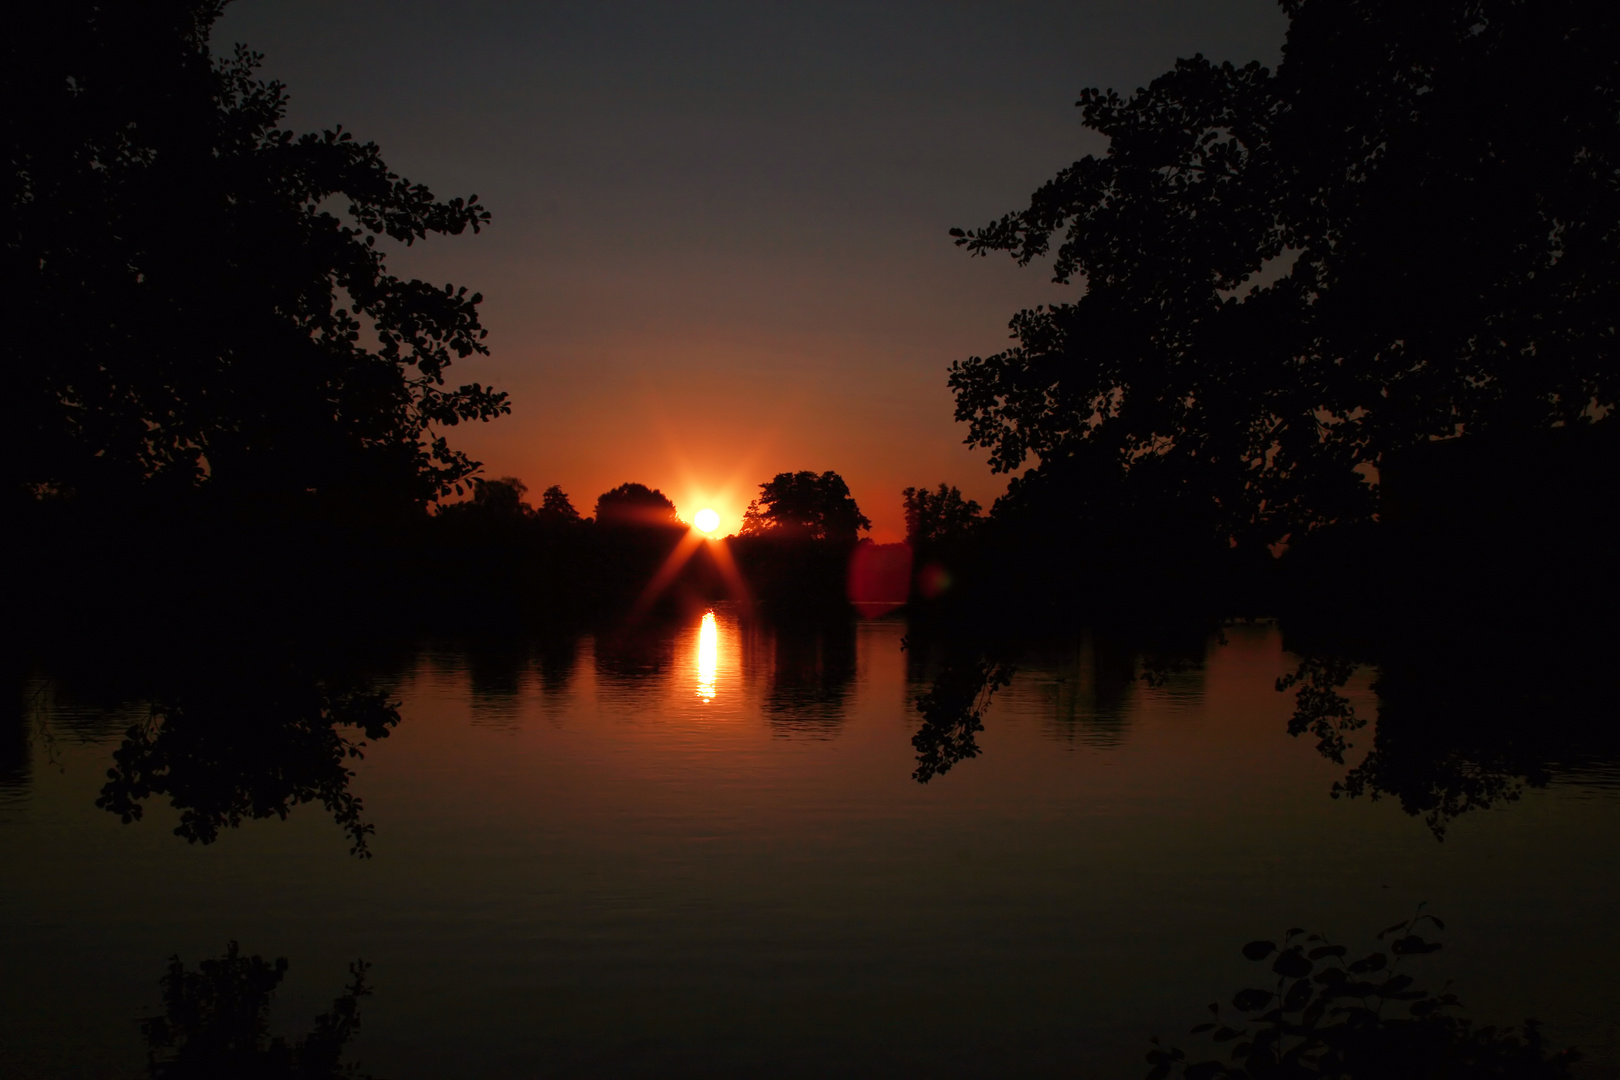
(719, 248)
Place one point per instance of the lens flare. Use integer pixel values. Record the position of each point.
(706, 520)
(708, 656)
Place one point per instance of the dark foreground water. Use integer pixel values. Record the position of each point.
(703, 853)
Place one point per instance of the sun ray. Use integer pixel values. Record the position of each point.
(666, 573)
(728, 571)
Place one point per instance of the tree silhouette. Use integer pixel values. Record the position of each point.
(803, 505)
(502, 498)
(1407, 232)
(635, 505)
(933, 517)
(199, 299)
(554, 505)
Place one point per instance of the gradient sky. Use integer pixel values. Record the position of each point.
(719, 247)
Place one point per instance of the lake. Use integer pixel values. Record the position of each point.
(700, 850)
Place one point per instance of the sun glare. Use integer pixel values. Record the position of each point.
(706, 520)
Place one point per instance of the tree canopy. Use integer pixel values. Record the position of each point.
(1407, 232)
(936, 516)
(635, 504)
(804, 505)
(555, 505)
(502, 498)
(198, 298)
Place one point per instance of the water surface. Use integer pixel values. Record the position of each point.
(699, 850)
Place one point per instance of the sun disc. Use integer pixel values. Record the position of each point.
(706, 520)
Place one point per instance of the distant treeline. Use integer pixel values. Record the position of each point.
(1469, 529)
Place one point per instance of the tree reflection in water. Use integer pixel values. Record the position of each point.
(971, 660)
(233, 729)
(1321, 1014)
(255, 746)
(812, 669)
(1465, 721)
(1317, 1013)
(1459, 728)
(216, 1022)
(953, 710)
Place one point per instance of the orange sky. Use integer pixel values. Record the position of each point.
(719, 248)
(706, 409)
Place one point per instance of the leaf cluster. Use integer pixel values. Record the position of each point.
(1322, 1014)
(936, 517)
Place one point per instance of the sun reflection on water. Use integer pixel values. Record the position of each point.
(708, 656)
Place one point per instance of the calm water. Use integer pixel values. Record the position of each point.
(702, 852)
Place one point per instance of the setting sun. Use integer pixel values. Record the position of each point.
(706, 520)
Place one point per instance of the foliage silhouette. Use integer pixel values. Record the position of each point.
(1457, 730)
(541, 569)
(1325, 1016)
(1076, 531)
(796, 544)
(198, 298)
(493, 501)
(953, 711)
(803, 505)
(216, 1023)
(1404, 233)
(501, 498)
(234, 745)
(555, 506)
(631, 504)
(936, 517)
